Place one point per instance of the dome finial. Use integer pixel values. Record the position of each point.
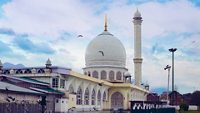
(105, 26)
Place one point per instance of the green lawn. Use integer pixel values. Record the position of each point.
(189, 112)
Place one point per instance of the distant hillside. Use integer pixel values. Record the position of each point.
(10, 65)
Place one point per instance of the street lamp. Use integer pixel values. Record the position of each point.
(168, 68)
(172, 50)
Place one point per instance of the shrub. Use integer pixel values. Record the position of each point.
(184, 107)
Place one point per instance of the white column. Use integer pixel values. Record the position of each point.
(115, 74)
(96, 99)
(90, 97)
(101, 101)
(99, 74)
(107, 74)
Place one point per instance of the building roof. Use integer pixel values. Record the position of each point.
(54, 69)
(42, 90)
(33, 80)
(37, 67)
(13, 88)
(48, 90)
(26, 80)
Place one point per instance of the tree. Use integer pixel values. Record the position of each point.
(42, 102)
(184, 107)
(196, 98)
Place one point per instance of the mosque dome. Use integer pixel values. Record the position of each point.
(105, 50)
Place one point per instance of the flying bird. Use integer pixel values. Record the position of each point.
(79, 36)
(101, 53)
(6, 88)
(193, 41)
(12, 98)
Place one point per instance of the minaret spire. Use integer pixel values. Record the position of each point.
(137, 20)
(105, 26)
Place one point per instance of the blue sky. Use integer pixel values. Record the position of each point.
(43, 29)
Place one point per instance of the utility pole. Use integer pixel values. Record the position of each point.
(168, 68)
(173, 50)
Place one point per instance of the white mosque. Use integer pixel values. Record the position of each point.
(106, 82)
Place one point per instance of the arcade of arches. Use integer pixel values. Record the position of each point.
(106, 75)
(89, 92)
(88, 98)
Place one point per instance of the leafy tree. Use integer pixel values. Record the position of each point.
(42, 102)
(196, 98)
(184, 107)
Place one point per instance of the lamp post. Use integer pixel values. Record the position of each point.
(168, 68)
(173, 50)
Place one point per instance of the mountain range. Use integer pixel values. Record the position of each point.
(10, 65)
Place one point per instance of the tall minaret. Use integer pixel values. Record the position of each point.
(137, 20)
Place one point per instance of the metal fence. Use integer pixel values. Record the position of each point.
(151, 107)
(19, 108)
(154, 110)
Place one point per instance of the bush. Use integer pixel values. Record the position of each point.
(184, 107)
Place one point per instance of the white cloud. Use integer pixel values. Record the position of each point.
(48, 18)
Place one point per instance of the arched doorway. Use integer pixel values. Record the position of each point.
(117, 100)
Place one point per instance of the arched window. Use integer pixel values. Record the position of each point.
(27, 71)
(99, 97)
(111, 75)
(93, 97)
(95, 74)
(79, 96)
(19, 71)
(41, 71)
(71, 89)
(86, 96)
(117, 100)
(6, 72)
(104, 96)
(103, 75)
(119, 75)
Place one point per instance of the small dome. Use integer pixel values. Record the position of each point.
(12, 71)
(105, 50)
(33, 70)
(137, 14)
(127, 74)
(48, 63)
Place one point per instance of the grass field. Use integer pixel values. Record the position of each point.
(189, 112)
